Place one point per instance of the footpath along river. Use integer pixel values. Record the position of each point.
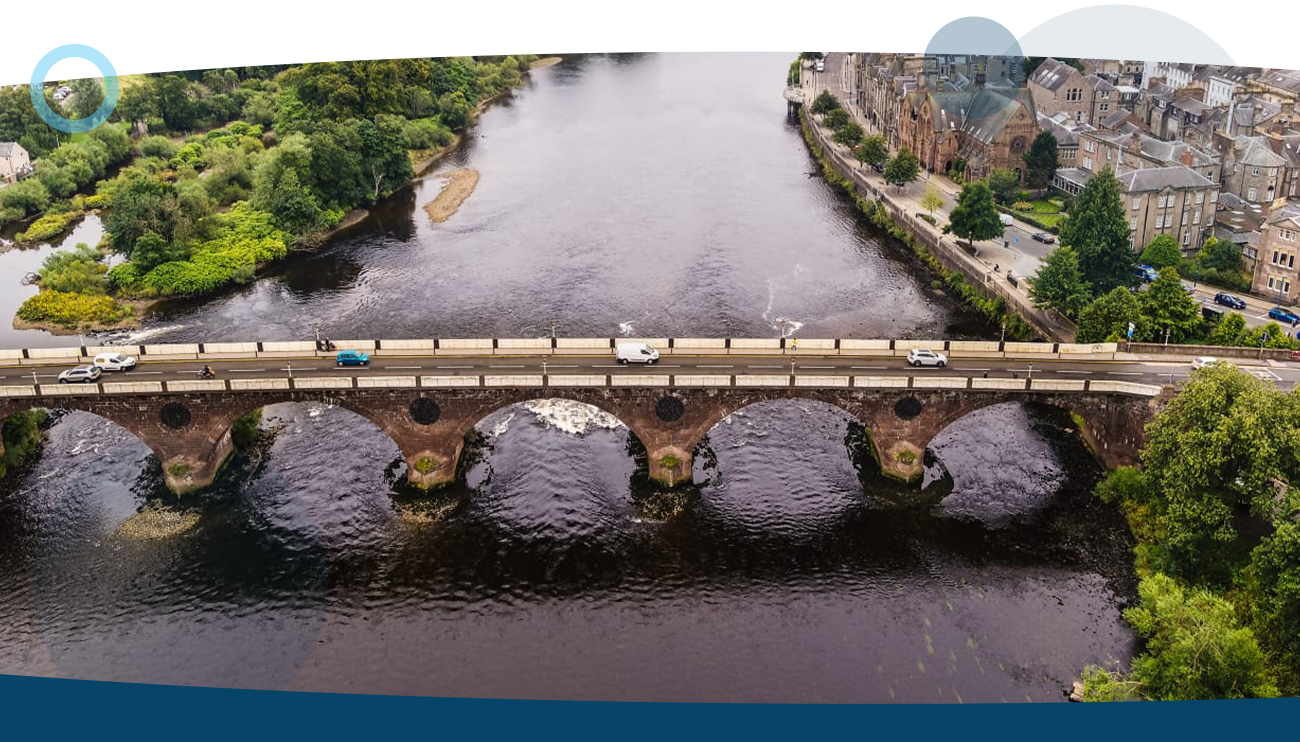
(621, 194)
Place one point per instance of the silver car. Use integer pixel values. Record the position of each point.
(83, 374)
(919, 357)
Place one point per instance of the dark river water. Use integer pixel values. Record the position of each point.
(646, 194)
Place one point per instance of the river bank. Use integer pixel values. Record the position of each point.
(460, 184)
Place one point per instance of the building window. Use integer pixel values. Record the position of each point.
(1132, 223)
(1276, 256)
(1089, 145)
(1254, 171)
(1187, 237)
(1163, 202)
(1196, 217)
(1087, 163)
(1109, 152)
(1200, 196)
(1287, 234)
(1251, 193)
(1137, 202)
(1105, 107)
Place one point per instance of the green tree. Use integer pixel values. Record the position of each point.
(825, 102)
(1107, 318)
(1221, 255)
(87, 96)
(1101, 685)
(974, 217)
(292, 205)
(931, 199)
(77, 271)
(903, 168)
(1218, 449)
(1005, 185)
(1041, 161)
(1059, 284)
(152, 250)
(384, 157)
(145, 203)
(1097, 229)
(811, 55)
(1162, 252)
(849, 134)
(1195, 649)
(1270, 335)
(1274, 588)
(836, 119)
(1167, 306)
(874, 151)
(1230, 331)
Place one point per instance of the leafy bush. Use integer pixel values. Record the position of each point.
(73, 310)
(245, 239)
(1022, 206)
(48, 226)
(156, 146)
(123, 275)
(79, 271)
(427, 134)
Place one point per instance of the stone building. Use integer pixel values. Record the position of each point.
(1057, 87)
(983, 128)
(1260, 169)
(1067, 132)
(1137, 151)
(1275, 272)
(1176, 201)
(14, 162)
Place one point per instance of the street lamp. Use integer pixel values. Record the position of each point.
(1167, 336)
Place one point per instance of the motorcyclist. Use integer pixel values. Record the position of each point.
(206, 372)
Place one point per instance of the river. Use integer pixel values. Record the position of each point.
(620, 194)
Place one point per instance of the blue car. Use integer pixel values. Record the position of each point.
(1146, 273)
(1283, 315)
(352, 358)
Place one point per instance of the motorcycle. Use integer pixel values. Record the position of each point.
(206, 373)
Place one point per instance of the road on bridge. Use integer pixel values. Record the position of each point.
(1146, 370)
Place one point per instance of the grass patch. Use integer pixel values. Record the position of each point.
(426, 465)
(178, 471)
(669, 461)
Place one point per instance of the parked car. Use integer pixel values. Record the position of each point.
(352, 358)
(83, 374)
(115, 361)
(1044, 238)
(1006, 219)
(1228, 300)
(1146, 273)
(821, 65)
(920, 357)
(637, 353)
(1190, 291)
(1203, 361)
(1283, 315)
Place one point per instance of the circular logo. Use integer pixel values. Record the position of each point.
(78, 51)
(973, 70)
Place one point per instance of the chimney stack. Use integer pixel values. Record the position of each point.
(1187, 158)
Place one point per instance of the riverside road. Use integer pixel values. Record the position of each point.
(1139, 369)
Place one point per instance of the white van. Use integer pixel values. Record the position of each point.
(636, 353)
(1006, 219)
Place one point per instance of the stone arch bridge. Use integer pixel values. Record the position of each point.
(189, 431)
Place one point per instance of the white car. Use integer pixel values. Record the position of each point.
(1203, 361)
(83, 374)
(919, 357)
(115, 361)
(637, 353)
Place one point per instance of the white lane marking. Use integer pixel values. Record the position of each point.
(557, 365)
(1125, 373)
(404, 367)
(1067, 371)
(454, 367)
(245, 370)
(493, 366)
(704, 365)
(874, 368)
(137, 373)
(765, 367)
(971, 369)
(817, 367)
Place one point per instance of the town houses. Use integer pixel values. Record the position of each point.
(1200, 150)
